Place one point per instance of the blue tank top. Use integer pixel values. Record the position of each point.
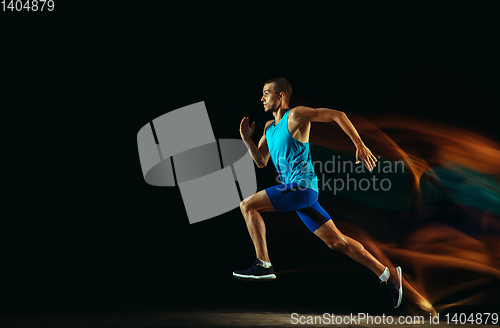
(291, 158)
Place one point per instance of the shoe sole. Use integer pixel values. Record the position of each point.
(251, 277)
(400, 277)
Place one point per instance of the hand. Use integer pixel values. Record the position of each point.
(364, 154)
(245, 130)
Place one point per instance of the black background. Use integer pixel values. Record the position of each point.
(81, 227)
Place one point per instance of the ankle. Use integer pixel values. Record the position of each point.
(265, 264)
(385, 275)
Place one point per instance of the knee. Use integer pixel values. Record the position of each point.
(338, 243)
(246, 206)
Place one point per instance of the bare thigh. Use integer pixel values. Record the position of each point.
(258, 201)
(328, 232)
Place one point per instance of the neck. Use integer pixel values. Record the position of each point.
(280, 112)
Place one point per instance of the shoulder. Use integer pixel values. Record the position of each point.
(268, 123)
(299, 112)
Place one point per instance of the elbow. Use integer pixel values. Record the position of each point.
(261, 165)
(339, 116)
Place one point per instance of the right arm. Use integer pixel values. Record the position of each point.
(260, 153)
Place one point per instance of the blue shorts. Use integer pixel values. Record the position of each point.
(293, 197)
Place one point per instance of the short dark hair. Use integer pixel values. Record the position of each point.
(281, 85)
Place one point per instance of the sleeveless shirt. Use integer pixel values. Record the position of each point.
(291, 157)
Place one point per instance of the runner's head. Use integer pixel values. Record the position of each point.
(276, 94)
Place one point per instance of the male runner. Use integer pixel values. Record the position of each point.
(286, 141)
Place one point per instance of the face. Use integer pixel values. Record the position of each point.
(270, 99)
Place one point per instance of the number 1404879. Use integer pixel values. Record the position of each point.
(473, 318)
(28, 5)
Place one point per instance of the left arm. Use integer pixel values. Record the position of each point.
(308, 114)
